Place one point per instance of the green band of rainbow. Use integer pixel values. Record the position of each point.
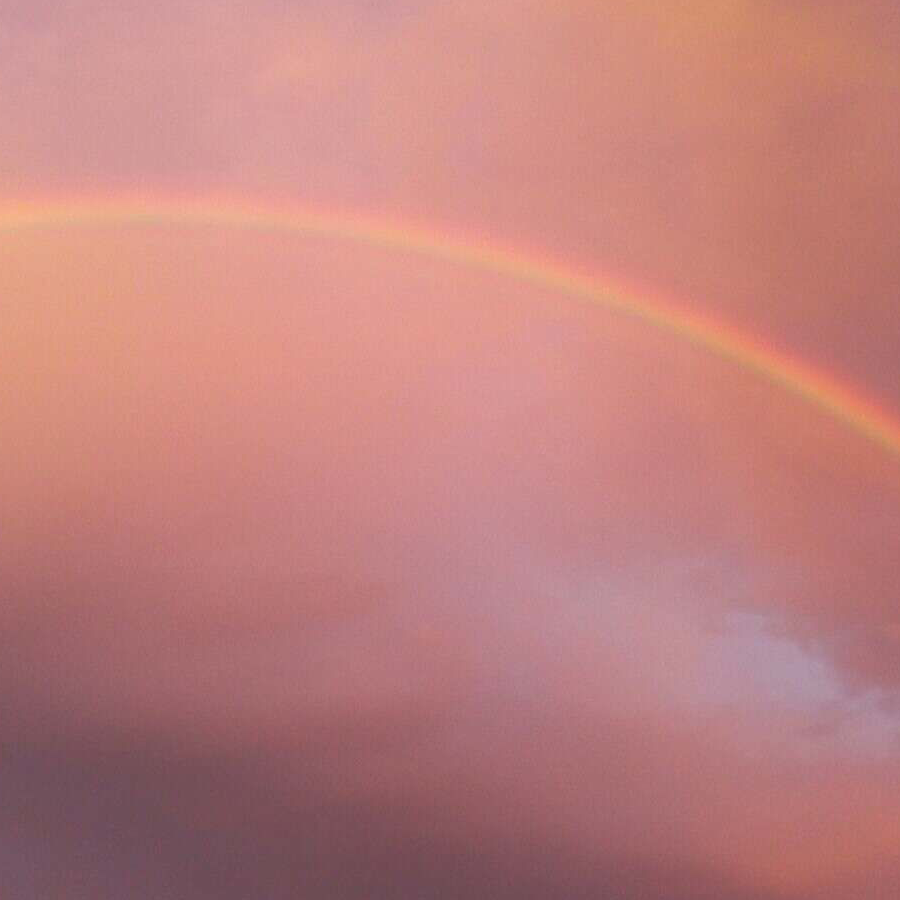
(824, 391)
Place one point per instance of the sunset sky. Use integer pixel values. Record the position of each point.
(335, 567)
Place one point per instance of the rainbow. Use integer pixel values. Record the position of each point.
(833, 397)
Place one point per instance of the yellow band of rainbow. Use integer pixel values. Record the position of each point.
(822, 390)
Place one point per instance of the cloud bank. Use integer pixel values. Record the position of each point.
(328, 572)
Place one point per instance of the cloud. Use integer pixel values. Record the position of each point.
(332, 571)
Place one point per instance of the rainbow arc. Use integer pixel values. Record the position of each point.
(824, 391)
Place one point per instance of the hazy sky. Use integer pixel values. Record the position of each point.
(334, 572)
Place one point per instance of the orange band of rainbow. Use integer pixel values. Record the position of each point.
(801, 379)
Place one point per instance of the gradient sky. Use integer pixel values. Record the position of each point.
(329, 571)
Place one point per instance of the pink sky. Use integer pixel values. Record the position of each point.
(329, 571)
